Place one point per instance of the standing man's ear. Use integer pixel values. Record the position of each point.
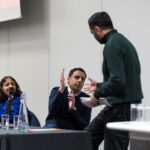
(97, 29)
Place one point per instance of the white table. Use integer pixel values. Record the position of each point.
(139, 133)
(137, 129)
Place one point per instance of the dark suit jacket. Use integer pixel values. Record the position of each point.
(61, 117)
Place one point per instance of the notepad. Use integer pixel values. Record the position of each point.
(87, 102)
(42, 129)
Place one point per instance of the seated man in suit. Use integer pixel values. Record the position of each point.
(65, 108)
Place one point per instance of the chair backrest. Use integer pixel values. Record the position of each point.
(33, 120)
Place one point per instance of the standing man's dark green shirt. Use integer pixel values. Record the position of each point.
(121, 71)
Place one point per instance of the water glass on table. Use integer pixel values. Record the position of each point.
(5, 121)
(140, 112)
(137, 112)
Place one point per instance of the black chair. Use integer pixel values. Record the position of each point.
(33, 120)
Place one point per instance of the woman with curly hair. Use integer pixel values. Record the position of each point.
(10, 95)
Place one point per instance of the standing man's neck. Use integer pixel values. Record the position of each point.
(106, 31)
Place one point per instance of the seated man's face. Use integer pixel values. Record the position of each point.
(76, 81)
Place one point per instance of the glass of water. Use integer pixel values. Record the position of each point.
(137, 112)
(5, 121)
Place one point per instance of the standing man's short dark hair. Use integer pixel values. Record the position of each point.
(101, 19)
(121, 85)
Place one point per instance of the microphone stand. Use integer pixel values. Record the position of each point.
(9, 104)
(10, 100)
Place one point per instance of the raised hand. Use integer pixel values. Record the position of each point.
(90, 87)
(62, 81)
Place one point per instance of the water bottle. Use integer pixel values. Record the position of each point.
(23, 123)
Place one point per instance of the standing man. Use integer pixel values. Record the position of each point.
(121, 84)
(65, 108)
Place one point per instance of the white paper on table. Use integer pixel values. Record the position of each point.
(87, 102)
(42, 129)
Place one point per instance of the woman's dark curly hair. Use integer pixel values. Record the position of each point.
(2, 94)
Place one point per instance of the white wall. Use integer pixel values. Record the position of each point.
(71, 44)
(24, 53)
(54, 34)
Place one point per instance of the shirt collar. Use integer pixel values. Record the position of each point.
(69, 91)
(107, 35)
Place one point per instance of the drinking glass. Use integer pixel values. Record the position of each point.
(5, 121)
(137, 112)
